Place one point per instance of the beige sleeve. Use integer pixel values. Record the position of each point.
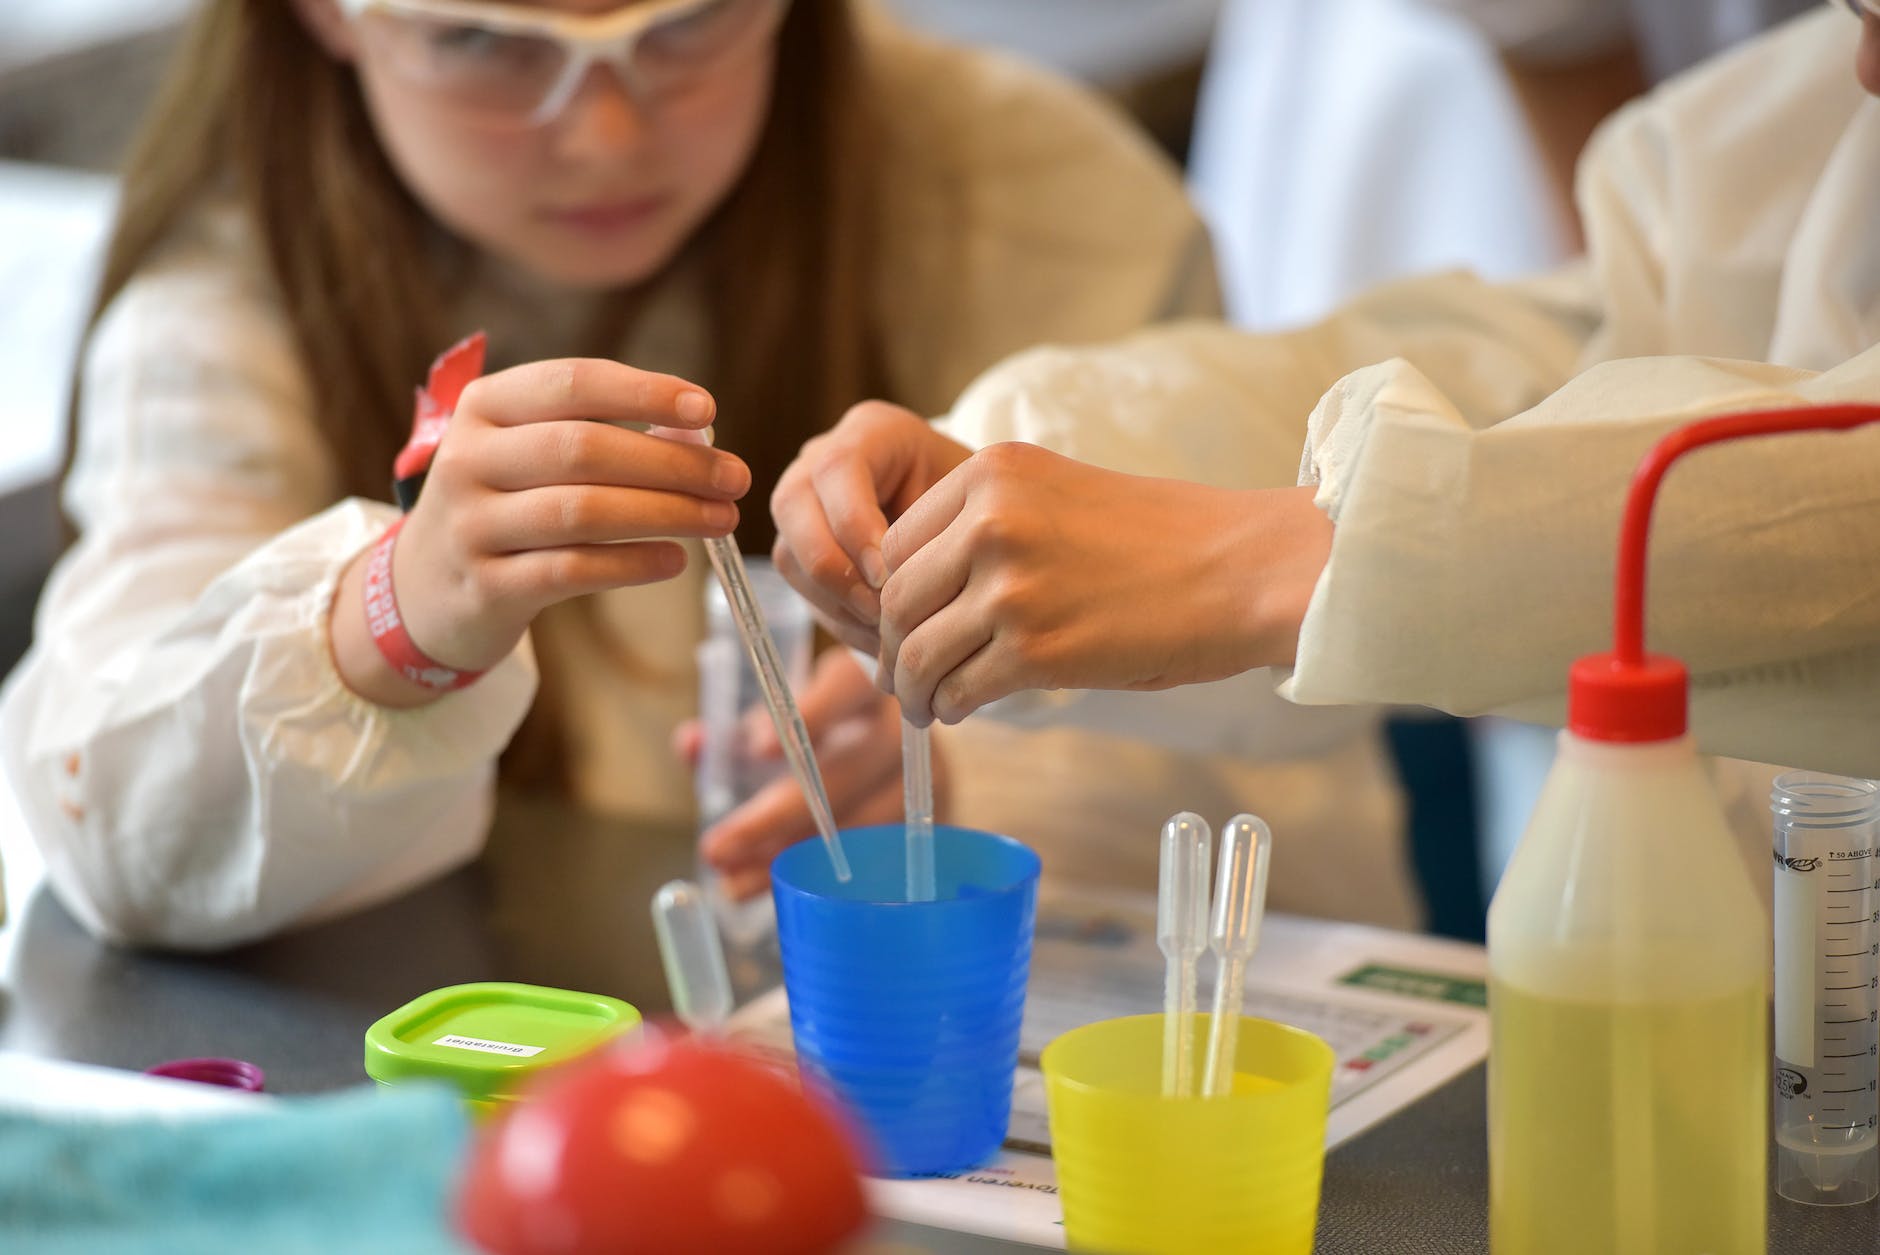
(1471, 567)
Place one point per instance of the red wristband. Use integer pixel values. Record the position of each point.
(388, 626)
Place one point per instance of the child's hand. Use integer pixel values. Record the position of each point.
(834, 503)
(857, 733)
(527, 503)
(1024, 569)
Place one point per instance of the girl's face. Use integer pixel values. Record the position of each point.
(603, 191)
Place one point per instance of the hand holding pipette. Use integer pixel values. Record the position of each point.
(1181, 933)
(1239, 906)
(917, 792)
(693, 956)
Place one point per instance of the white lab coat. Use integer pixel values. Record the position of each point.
(1477, 469)
(196, 774)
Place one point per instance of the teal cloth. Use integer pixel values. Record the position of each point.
(365, 1171)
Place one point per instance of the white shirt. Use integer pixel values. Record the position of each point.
(1477, 472)
(196, 773)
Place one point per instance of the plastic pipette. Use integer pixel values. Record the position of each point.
(917, 797)
(1239, 906)
(692, 955)
(771, 676)
(1181, 932)
(749, 616)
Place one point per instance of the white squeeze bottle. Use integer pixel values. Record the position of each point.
(1629, 961)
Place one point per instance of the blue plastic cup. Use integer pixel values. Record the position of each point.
(910, 1011)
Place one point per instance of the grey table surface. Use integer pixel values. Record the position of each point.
(560, 898)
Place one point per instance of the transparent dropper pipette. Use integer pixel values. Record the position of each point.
(762, 649)
(692, 955)
(917, 799)
(1239, 906)
(1181, 933)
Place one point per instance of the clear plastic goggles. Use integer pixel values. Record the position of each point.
(507, 64)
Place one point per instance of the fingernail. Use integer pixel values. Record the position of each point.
(730, 476)
(866, 603)
(874, 570)
(693, 407)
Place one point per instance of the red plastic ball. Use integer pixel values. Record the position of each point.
(670, 1145)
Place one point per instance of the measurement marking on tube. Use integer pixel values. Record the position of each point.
(1855, 889)
(1840, 988)
(1843, 1127)
(1857, 1055)
(1858, 1089)
(1852, 954)
(1859, 1019)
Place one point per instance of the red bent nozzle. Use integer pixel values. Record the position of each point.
(1628, 694)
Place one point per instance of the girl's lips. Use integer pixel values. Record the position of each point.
(606, 217)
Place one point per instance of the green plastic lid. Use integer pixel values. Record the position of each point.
(486, 1039)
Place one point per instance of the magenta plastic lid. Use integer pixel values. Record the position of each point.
(228, 1073)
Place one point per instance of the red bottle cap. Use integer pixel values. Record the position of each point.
(1610, 700)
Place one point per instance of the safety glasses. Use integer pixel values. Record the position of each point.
(510, 65)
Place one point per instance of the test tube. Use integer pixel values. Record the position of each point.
(1239, 907)
(693, 956)
(1827, 951)
(1181, 933)
(917, 798)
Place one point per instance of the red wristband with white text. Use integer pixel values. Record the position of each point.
(388, 626)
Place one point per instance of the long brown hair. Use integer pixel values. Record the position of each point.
(253, 105)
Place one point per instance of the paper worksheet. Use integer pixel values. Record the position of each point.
(1403, 1013)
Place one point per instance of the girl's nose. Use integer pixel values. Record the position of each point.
(602, 118)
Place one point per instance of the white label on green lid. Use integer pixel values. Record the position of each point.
(489, 1047)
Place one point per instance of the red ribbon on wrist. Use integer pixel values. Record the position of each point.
(388, 626)
(436, 401)
(450, 374)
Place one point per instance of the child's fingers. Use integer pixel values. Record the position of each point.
(546, 576)
(836, 613)
(548, 518)
(543, 454)
(573, 387)
(813, 560)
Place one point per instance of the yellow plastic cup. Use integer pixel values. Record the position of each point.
(1140, 1174)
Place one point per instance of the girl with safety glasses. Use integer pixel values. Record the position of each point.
(662, 213)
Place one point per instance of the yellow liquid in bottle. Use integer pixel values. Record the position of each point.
(1628, 1129)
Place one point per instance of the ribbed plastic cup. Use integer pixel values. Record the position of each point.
(1146, 1174)
(910, 1011)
